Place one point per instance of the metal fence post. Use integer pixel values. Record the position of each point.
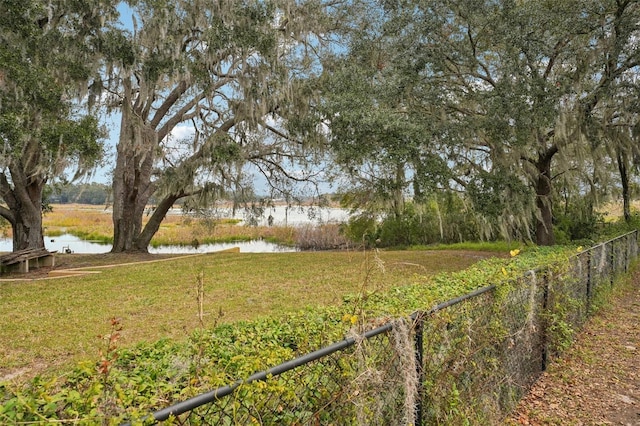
(589, 288)
(626, 251)
(419, 348)
(545, 325)
(612, 262)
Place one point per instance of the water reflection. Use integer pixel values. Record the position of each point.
(288, 215)
(69, 243)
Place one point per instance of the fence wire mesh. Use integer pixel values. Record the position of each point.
(481, 354)
(469, 358)
(366, 383)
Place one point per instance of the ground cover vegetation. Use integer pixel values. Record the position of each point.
(447, 121)
(129, 379)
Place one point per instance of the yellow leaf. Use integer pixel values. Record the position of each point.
(514, 252)
(354, 319)
(579, 248)
(504, 271)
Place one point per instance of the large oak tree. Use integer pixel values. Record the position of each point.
(48, 54)
(508, 89)
(228, 72)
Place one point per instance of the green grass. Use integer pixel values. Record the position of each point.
(159, 242)
(96, 237)
(495, 246)
(54, 323)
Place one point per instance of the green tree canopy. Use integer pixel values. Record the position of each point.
(383, 144)
(501, 92)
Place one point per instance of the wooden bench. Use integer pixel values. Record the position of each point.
(25, 260)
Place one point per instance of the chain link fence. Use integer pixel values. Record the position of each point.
(466, 361)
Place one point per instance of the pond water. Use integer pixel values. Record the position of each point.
(278, 216)
(291, 216)
(66, 242)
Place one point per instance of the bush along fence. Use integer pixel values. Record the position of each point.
(466, 361)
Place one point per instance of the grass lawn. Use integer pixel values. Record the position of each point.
(48, 324)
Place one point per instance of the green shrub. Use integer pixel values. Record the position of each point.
(361, 229)
(577, 221)
(609, 230)
(435, 221)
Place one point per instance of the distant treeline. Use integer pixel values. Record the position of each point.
(85, 193)
(100, 193)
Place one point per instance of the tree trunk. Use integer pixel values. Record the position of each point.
(152, 226)
(26, 224)
(624, 179)
(27, 230)
(398, 191)
(544, 219)
(24, 207)
(132, 186)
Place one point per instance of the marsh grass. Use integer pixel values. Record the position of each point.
(94, 223)
(49, 324)
(612, 211)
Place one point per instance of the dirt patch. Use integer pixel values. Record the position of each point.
(66, 262)
(597, 380)
(75, 260)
